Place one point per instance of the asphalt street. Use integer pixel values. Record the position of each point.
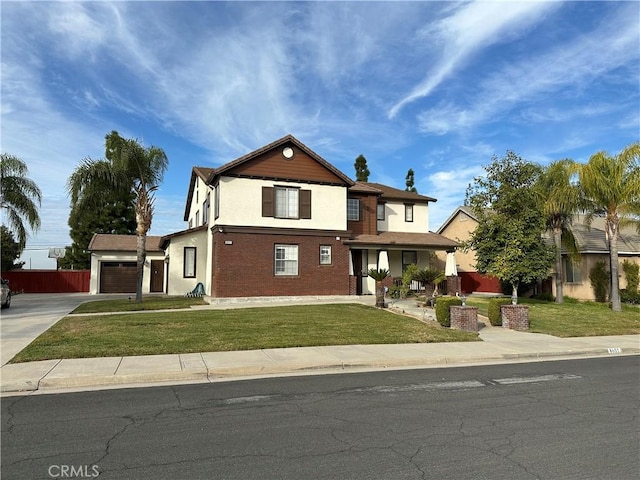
(571, 419)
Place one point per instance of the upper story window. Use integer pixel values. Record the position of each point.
(286, 202)
(381, 211)
(216, 202)
(353, 209)
(408, 212)
(197, 222)
(205, 210)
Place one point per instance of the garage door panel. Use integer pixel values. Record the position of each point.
(118, 277)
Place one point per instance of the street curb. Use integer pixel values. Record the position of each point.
(221, 373)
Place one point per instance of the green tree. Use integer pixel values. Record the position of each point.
(561, 199)
(128, 167)
(508, 239)
(611, 185)
(410, 181)
(116, 216)
(20, 197)
(362, 171)
(10, 250)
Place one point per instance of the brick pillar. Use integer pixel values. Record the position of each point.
(515, 317)
(464, 318)
(453, 285)
(353, 284)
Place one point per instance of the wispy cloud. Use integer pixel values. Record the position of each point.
(470, 28)
(569, 67)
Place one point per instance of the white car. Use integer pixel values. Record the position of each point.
(6, 293)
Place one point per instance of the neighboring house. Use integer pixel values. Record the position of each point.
(593, 247)
(113, 264)
(591, 244)
(282, 221)
(459, 226)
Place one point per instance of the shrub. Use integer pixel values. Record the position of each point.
(632, 274)
(545, 297)
(396, 291)
(600, 279)
(493, 310)
(442, 309)
(627, 296)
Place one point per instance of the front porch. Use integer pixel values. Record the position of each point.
(395, 252)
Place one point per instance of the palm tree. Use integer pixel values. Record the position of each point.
(379, 276)
(429, 276)
(611, 186)
(128, 167)
(20, 197)
(560, 200)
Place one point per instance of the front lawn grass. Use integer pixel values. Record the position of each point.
(151, 302)
(225, 330)
(574, 319)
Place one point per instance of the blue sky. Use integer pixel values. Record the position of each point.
(439, 87)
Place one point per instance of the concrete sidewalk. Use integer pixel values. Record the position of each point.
(498, 345)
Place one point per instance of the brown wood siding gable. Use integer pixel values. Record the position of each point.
(301, 167)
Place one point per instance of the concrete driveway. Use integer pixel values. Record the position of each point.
(33, 313)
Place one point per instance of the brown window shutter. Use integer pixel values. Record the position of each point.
(305, 203)
(267, 202)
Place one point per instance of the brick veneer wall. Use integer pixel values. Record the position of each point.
(464, 318)
(515, 317)
(244, 264)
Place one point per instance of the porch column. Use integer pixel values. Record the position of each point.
(383, 260)
(451, 272)
(351, 269)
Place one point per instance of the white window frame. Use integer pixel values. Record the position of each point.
(285, 260)
(572, 272)
(351, 204)
(287, 202)
(189, 262)
(408, 212)
(325, 255)
(216, 200)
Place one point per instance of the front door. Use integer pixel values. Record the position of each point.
(360, 261)
(157, 276)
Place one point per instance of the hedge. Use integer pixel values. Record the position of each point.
(442, 309)
(493, 311)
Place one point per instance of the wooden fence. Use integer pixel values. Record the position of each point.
(48, 281)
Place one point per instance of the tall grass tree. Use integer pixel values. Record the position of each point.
(611, 185)
(20, 197)
(561, 199)
(128, 167)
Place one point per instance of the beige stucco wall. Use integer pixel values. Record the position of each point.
(177, 284)
(97, 258)
(241, 204)
(460, 229)
(583, 290)
(394, 218)
(199, 196)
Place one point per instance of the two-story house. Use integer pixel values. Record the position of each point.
(282, 221)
